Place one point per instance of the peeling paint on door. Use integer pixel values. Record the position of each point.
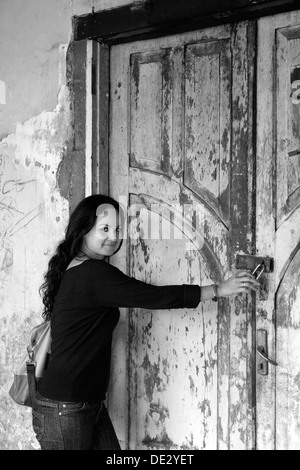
(174, 122)
(278, 229)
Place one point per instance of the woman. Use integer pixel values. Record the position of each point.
(81, 296)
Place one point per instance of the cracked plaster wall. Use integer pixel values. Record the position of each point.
(35, 136)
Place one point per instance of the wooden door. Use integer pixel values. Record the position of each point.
(278, 228)
(181, 163)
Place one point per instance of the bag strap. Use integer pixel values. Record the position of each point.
(30, 367)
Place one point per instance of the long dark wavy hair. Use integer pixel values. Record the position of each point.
(81, 222)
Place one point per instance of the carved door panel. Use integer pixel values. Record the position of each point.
(181, 164)
(278, 228)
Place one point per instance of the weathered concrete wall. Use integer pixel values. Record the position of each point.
(35, 136)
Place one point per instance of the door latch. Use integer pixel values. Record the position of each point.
(252, 262)
(262, 352)
(258, 265)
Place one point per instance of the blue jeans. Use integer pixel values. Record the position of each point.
(69, 425)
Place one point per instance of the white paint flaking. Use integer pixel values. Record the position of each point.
(2, 92)
(295, 310)
(62, 74)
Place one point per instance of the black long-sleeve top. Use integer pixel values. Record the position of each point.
(84, 316)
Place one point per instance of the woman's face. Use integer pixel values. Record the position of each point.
(105, 236)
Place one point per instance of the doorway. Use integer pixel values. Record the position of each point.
(203, 132)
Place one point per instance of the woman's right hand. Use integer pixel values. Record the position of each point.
(242, 282)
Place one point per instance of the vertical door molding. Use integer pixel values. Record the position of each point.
(90, 89)
(265, 224)
(242, 409)
(100, 118)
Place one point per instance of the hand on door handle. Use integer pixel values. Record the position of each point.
(260, 352)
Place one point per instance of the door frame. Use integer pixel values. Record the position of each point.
(146, 19)
(88, 73)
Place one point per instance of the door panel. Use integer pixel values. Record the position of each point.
(180, 155)
(208, 87)
(287, 119)
(278, 227)
(172, 353)
(151, 111)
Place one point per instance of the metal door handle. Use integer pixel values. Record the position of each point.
(260, 352)
(258, 271)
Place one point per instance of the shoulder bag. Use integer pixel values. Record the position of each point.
(37, 354)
